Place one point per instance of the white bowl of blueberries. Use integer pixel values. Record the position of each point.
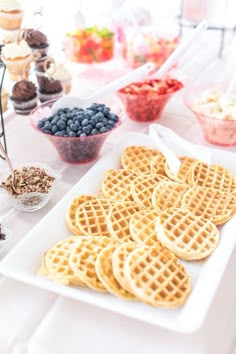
(77, 134)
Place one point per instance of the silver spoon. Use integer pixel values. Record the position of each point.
(10, 167)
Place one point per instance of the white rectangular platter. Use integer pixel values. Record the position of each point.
(23, 262)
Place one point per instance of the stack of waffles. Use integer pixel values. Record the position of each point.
(132, 237)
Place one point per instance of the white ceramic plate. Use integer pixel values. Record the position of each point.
(23, 262)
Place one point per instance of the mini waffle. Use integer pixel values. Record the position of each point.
(157, 165)
(137, 158)
(156, 277)
(142, 188)
(142, 227)
(212, 176)
(119, 257)
(104, 270)
(116, 184)
(183, 172)
(83, 258)
(118, 220)
(71, 209)
(188, 236)
(91, 217)
(168, 194)
(56, 265)
(210, 203)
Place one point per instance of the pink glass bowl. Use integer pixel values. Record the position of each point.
(145, 107)
(74, 150)
(216, 131)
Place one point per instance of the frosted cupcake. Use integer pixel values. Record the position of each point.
(11, 14)
(9, 36)
(17, 57)
(61, 73)
(4, 99)
(49, 89)
(37, 40)
(24, 97)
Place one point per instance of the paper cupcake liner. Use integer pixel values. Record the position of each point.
(18, 68)
(25, 108)
(4, 101)
(11, 21)
(43, 97)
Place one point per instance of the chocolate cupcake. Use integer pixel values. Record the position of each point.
(49, 89)
(37, 40)
(24, 97)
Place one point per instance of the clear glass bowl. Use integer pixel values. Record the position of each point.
(7, 232)
(75, 150)
(216, 131)
(34, 200)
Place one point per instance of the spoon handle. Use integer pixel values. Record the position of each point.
(7, 159)
(125, 80)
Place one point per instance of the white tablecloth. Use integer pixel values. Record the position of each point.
(34, 321)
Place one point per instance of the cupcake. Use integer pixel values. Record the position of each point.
(61, 73)
(4, 99)
(17, 57)
(42, 65)
(49, 89)
(9, 36)
(24, 97)
(11, 14)
(37, 40)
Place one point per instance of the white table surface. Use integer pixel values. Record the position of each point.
(34, 321)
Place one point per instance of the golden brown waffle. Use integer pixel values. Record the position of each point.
(83, 258)
(137, 158)
(188, 236)
(142, 188)
(71, 209)
(142, 227)
(119, 257)
(168, 194)
(104, 270)
(118, 220)
(212, 176)
(116, 184)
(210, 203)
(156, 277)
(55, 264)
(182, 175)
(157, 165)
(91, 217)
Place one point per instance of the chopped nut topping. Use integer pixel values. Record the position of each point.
(27, 180)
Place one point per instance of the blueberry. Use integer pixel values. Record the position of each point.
(109, 127)
(86, 130)
(69, 122)
(106, 111)
(50, 118)
(58, 134)
(99, 116)
(44, 120)
(73, 127)
(60, 111)
(69, 115)
(113, 117)
(61, 124)
(94, 132)
(40, 124)
(77, 123)
(48, 126)
(66, 109)
(93, 107)
(103, 130)
(79, 132)
(72, 134)
(84, 122)
(83, 134)
(99, 125)
(47, 131)
(111, 122)
(54, 129)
